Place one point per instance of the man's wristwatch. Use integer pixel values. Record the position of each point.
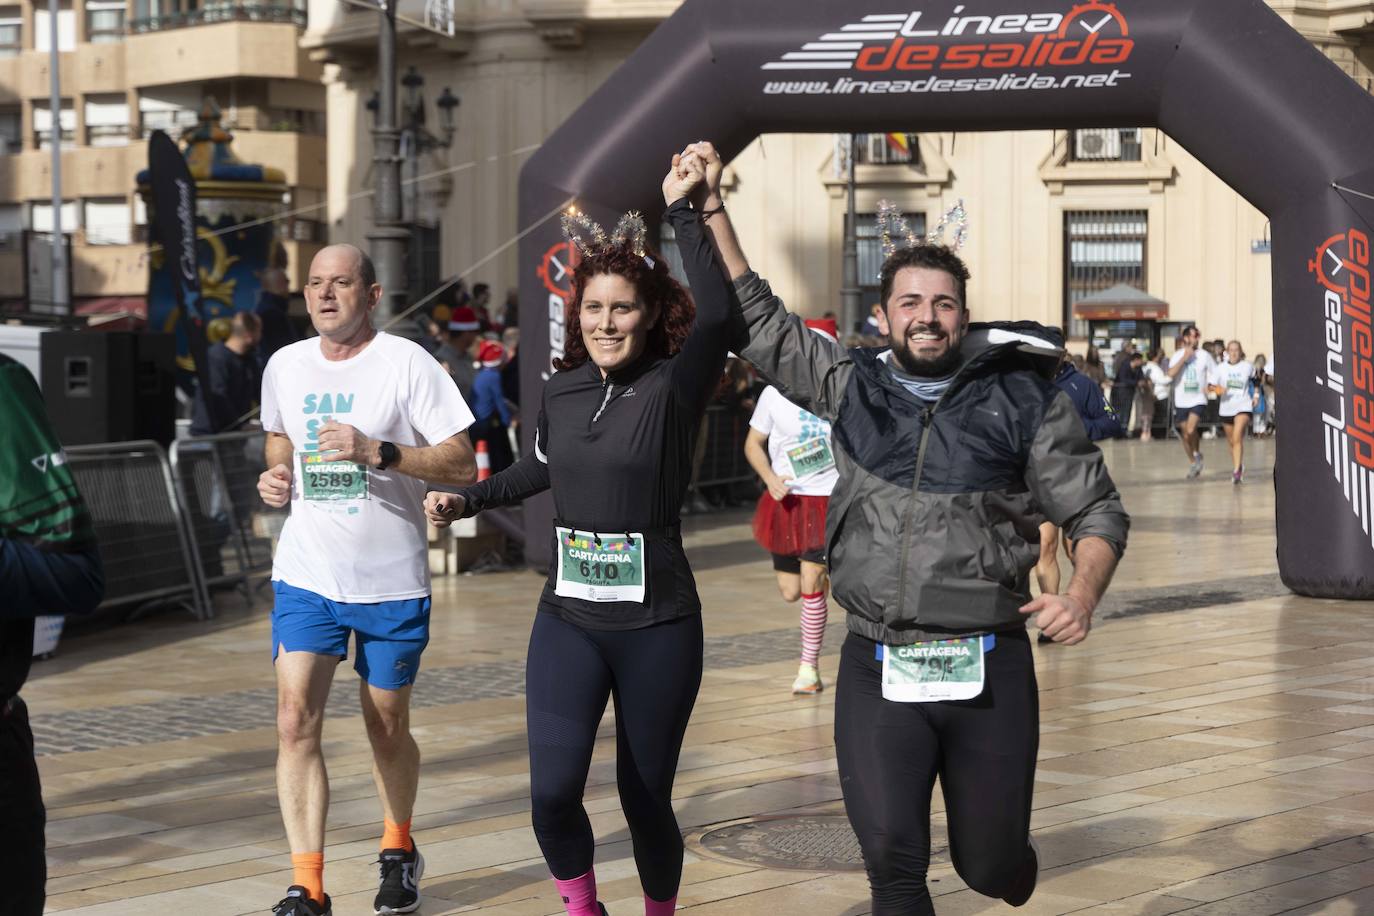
(390, 455)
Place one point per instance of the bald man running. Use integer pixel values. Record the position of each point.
(356, 421)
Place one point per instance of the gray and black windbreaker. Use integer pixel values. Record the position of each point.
(933, 528)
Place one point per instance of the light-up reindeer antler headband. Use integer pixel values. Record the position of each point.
(896, 233)
(591, 239)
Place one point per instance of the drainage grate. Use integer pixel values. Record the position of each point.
(807, 842)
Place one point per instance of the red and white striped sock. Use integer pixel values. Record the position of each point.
(813, 616)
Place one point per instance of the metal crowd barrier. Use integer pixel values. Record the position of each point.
(232, 530)
(145, 543)
(724, 463)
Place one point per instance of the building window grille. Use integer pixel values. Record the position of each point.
(1102, 248)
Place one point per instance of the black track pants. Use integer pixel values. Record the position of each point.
(983, 750)
(653, 675)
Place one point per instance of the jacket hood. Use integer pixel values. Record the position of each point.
(986, 341)
(1021, 344)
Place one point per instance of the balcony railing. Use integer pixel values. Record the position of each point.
(220, 12)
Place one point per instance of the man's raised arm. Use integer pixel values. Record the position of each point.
(808, 369)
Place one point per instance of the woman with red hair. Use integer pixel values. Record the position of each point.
(619, 617)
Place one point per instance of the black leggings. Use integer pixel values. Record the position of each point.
(653, 675)
(983, 750)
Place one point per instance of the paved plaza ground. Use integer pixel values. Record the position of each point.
(1209, 750)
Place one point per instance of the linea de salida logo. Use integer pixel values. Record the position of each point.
(1092, 33)
(1341, 269)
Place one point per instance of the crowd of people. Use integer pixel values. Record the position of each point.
(1199, 389)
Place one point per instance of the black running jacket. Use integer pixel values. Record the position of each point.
(617, 451)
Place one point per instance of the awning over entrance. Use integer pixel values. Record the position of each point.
(113, 313)
(1121, 302)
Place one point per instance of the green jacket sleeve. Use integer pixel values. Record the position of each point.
(39, 501)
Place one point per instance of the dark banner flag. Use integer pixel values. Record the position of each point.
(174, 221)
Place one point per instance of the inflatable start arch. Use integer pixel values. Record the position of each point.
(1228, 79)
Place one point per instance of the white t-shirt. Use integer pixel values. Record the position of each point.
(1235, 378)
(1159, 380)
(1190, 385)
(799, 444)
(357, 534)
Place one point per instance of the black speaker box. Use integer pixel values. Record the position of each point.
(110, 387)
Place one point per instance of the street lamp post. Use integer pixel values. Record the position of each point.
(413, 139)
(850, 294)
(395, 143)
(389, 235)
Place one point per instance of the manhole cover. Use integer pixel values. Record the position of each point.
(808, 842)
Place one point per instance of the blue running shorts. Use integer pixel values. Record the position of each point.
(388, 635)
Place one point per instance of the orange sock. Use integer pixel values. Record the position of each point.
(396, 836)
(309, 868)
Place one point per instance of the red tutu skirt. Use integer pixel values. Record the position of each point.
(793, 527)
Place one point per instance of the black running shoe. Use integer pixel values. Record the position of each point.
(297, 903)
(400, 876)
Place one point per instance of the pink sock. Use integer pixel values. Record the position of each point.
(813, 616)
(579, 894)
(655, 908)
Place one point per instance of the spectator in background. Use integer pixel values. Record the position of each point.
(455, 349)
(870, 326)
(49, 564)
(273, 310)
(1125, 383)
(509, 315)
(235, 380)
(1154, 390)
(492, 415)
(433, 336)
(1261, 380)
(510, 372)
(1092, 367)
(481, 302)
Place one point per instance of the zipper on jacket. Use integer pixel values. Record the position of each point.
(606, 388)
(911, 503)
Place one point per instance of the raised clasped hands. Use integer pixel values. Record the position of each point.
(696, 173)
(684, 176)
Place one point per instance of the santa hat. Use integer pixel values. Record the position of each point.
(464, 319)
(826, 327)
(490, 354)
